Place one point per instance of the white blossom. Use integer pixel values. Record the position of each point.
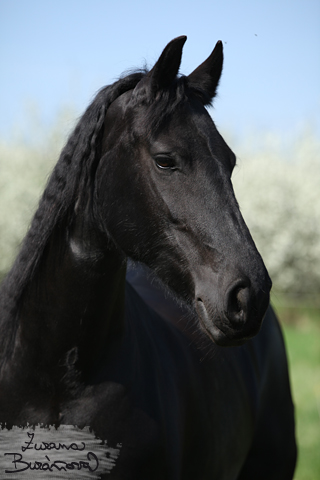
(279, 195)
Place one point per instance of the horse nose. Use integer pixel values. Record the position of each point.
(238, 302)
(232, 313)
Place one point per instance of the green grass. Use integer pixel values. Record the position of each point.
(301, 325)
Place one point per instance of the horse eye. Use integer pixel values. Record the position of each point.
(164, 162)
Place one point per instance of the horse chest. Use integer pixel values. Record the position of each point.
(113, 415)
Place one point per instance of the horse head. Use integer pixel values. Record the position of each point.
(164, 195)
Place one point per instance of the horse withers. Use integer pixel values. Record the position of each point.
(146, 176)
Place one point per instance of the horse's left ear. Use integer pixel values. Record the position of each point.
(206, 77)
(166, 68)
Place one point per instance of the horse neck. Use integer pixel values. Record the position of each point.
(74, 302)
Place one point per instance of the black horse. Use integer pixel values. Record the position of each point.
(146, 176)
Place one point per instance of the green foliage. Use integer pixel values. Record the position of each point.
(303, 346)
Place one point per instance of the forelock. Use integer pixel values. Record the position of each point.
(159, 106)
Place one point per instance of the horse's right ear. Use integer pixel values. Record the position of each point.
(166, 68)
(164, 71)
(206, 77)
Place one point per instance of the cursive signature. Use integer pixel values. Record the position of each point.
(50, 445)
(58, 465)
(21, 463)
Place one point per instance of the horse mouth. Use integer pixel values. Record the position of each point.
(213, 331)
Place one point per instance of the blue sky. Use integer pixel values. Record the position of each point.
(56, 53)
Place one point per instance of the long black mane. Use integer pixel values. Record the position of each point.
(69, 182)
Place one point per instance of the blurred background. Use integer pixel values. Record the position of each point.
(55, 55)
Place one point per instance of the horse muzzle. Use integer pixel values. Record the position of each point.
(234, 315)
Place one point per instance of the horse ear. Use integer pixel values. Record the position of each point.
(166, 68)
(206, 77)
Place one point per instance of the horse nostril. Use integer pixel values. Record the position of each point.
(238, 302)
